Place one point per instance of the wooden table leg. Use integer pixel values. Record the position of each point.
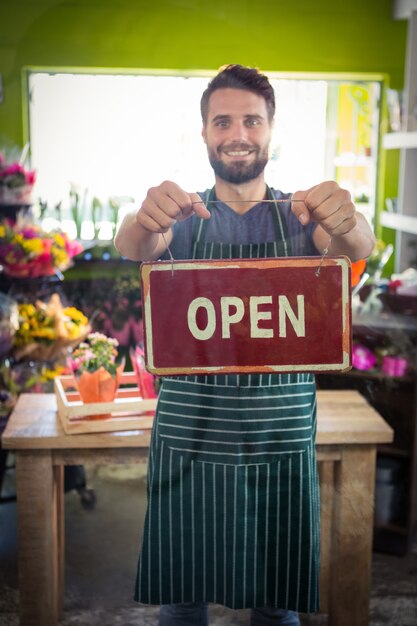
(59, 524)
(326, 473)
(352, 537)
(37, 536)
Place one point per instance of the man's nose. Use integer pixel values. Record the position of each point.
(238, 131)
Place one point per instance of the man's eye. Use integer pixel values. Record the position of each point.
(253, 122)
(222, 123)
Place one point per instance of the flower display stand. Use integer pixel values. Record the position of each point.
(129, 411)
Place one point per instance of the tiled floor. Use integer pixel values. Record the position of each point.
(101, 551)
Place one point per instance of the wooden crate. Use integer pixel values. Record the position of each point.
(127, 412)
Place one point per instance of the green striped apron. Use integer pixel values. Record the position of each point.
(233, 500)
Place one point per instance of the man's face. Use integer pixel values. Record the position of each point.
(237, 134)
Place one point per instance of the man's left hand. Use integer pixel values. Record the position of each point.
(327, 204)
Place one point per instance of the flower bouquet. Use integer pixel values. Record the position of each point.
(16, 183)
(47, 330)
(27, 251)
(96, 372)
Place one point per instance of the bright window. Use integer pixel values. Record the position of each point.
(115, 135)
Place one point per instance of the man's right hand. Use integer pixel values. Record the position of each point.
(146, 233)
(166, 204)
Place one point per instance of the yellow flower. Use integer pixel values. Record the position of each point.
(47, 333)
(60, 257)
(33, 246)
(28, 310)
(59, 240)
(76, 316)
(75, 323)
(50, 374)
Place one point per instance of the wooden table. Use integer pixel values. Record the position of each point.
(348, 432)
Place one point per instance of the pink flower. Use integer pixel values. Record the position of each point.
(11, 170)
(30, 177)
(363, 358)
(73, 247)
(29, 233)
(15, 175)
(46, 249)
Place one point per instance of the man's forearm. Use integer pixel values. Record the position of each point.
(136, 243)
(357, 244)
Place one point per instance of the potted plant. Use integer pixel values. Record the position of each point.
(96, 371)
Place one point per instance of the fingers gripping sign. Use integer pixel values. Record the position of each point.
(166, 204)
(327, 204)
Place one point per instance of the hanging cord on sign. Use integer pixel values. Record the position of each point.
(323, 255)
(170, 254)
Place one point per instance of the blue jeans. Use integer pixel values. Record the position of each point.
(195, 614)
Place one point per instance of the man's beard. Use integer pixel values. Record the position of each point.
(239, 171)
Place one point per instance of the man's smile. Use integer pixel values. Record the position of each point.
(238, 153)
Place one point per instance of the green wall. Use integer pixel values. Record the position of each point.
(275, 35)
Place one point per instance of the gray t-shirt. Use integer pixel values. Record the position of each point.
(254, 226)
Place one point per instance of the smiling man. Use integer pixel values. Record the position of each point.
(233, 510)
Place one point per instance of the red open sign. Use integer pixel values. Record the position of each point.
(243, 316)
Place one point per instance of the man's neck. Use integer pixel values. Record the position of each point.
(239, 195)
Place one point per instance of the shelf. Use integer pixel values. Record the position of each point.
(391, 450)
(397, 221)
(353, 160)
(392, 141)
(386, 320)
(402, 9)
(14, 207)
(392, 528)
(376, 375)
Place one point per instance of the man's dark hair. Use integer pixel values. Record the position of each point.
(240, 77)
